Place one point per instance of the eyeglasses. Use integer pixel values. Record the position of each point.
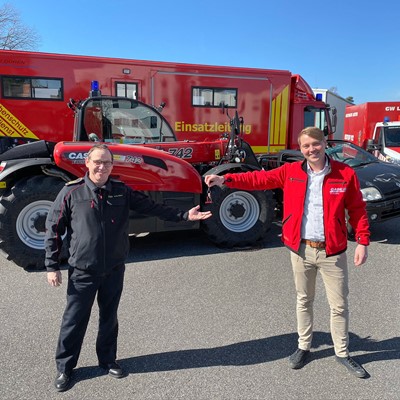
(100, 162)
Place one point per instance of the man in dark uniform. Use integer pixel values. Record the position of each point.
(94, 213)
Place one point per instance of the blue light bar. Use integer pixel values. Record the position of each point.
(318, 97)
(95, 89)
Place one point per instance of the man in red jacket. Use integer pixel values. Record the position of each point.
(317, 193)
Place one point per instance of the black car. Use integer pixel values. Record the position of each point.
(379, 180)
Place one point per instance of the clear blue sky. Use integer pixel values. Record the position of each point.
(352, 45)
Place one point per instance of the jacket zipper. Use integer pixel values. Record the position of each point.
(103, 228)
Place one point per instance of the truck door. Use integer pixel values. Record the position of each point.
(377, 145)
(377, 136)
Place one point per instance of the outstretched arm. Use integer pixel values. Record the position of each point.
(212, 180)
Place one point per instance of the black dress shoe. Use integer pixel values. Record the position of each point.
(353, 367)
(114, 370)
(62, 381)
(298, 358)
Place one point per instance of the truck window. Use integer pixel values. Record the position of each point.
(17, 87)
(392, 136)
(315, 117)
(214, 97)
(124, 89)
(377, 135)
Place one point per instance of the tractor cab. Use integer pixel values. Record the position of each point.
(118, 120)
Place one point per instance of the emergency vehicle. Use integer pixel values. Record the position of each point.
(148, 157)
(35, 88)
(375, 126)
(195, 99)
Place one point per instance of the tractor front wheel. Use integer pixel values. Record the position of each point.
(240, 218)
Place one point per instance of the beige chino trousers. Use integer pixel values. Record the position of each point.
(334, 273)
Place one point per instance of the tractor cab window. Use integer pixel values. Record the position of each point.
(125, 121)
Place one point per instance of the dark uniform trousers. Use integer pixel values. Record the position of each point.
(81, 292)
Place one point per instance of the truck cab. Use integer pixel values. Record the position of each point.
(385, 142)
(308, 109)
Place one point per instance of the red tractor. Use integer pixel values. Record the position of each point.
(147, 157)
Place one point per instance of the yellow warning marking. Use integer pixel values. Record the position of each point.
(279, 120)
(11, 126)
(266, 149)
(284, 113)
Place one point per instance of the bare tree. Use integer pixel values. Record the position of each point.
(13, 33)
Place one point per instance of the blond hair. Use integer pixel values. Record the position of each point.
(313, 132)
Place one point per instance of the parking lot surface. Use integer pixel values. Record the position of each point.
(198, 322)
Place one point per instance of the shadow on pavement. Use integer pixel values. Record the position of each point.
(189, 243)
(249, 353)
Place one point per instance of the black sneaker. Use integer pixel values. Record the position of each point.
(298, 358)
(353, 367)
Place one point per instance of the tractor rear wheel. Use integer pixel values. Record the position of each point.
(23, 212)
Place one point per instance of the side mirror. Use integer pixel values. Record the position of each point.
(93, 137)
(334, 118)
(371, 145)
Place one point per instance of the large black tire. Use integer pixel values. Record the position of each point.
(240, 218)
(23, 212)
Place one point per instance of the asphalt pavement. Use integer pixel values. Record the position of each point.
(202, 323)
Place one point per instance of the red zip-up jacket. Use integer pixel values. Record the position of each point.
(340, 192)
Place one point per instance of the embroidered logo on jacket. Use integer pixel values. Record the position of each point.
(337, 190)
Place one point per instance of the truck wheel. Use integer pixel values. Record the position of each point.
(239, 218)
(23, 212)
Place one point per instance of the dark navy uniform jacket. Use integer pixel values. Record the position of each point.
(96, 221)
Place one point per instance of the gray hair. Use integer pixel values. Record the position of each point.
(100, 146)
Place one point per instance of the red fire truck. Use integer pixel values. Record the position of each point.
(194, 130)
(266, 110)
(35, 88)
(376, 127)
